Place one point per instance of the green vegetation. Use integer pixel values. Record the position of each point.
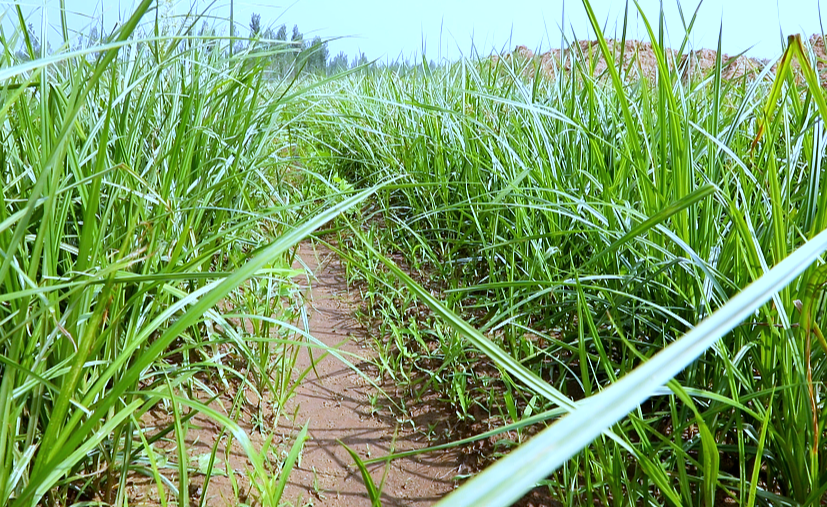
(584, 224)
(141, 186)
(561, 238)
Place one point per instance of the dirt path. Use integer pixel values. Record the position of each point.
(338, 406)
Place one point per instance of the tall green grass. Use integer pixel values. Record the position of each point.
(585, 224)
(141, 187)
(575, 229)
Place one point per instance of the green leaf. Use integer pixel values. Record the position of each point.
(289, 463)
(374, 493)
(509, 478)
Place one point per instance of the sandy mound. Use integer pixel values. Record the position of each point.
(817, 46)
(639, 60)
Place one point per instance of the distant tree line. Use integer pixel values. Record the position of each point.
(296, 53)
(23, 53)
(83, 41)
(284, 55)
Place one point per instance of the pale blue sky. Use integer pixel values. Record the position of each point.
(389, 28)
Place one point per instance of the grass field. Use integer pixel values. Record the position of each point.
(599, 246)
(585, 224)
(141, 187)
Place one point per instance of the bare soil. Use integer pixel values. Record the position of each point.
(338, 405)
(342, 406)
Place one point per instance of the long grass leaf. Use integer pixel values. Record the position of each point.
(508, 479)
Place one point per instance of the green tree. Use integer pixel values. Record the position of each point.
(361, 59)
(338, 63)
(297, 37)
(297, 40)
(269, 44)
(281, 58)
(324, 54)
(208, 32)
(23, 53)
(317, 56)
(255, 25)
(93, 38)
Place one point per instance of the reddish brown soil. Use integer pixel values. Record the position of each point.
(338, 405)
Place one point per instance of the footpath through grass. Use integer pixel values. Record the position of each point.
(582, 225)
(568, 237)
(142, 197)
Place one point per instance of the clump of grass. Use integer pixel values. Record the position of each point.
(139, 190)
(608, 218)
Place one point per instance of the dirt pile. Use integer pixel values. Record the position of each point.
(639, 60)
(816, 43)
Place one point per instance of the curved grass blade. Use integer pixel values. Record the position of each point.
(289, 463)
(374, 493)
(657, 218)
(73, 436)
(508, 479)
(756, 469)
(795, 50)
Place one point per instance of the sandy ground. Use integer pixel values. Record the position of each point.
(338, 405)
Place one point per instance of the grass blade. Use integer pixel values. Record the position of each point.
(289, 463)
(508, 479)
